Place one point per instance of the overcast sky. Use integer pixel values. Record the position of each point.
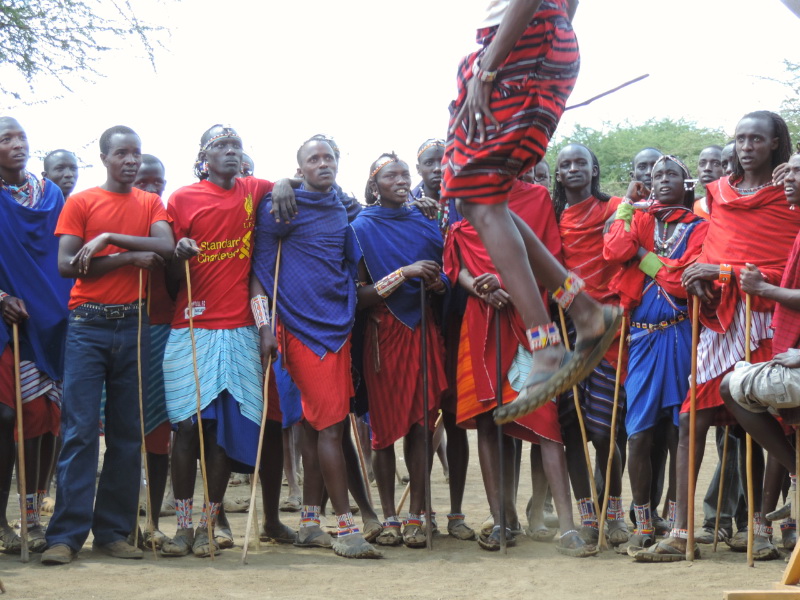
(379, 76)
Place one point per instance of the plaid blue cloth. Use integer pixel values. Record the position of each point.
(316, 289)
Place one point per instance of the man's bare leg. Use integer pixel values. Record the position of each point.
(458, 460)
(271, 473)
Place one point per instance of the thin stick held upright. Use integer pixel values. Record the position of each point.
(498, 396)
(199, 409)
(425, 408)
(721, 486)
(254, 480)
(692, 428)
(613, 439)
(748, 335)
(21, 479)
(148, 504)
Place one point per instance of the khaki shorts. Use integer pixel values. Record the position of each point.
(765, 386)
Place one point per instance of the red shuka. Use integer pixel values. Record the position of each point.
(758, 229)
(477, 349)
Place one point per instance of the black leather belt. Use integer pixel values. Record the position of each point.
(111, 311)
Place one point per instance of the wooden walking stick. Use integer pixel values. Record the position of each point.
(362, 461)
(22, 487)
(498, 396)
(584, 436)
(612, 442)
(254, 480)
(721, 485)
(748, 334)
(425, 418)
(692, 427)
(438, 433)
(199, 409)
(147, 503)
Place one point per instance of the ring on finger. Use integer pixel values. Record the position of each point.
(478, 116)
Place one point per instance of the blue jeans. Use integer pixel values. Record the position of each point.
(98, 351)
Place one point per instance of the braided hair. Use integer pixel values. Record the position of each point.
(780, 130)
(560, 194)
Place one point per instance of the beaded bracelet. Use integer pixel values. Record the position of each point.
(260, 307)
(3, 295)
(390, 283)
(725, 272)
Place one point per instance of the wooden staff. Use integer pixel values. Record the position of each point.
(423, 296)
(584, 437)
(748, 334)
(148, 506)
(721, 485)
(438, 433)
(254, 480)
(612, 442)
(692, 427)
(362, 461)
(22, 487)
(498, 396)
(199, 409)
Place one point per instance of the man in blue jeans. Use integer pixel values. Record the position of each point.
(109, 236)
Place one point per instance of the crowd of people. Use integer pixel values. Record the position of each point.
(290, 316)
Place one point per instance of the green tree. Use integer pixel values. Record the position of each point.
(616, 145)
(62, 38)
(790, 107)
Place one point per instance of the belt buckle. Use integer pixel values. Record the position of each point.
(114, 311)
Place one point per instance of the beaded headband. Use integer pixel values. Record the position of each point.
(382, 164)
(676, 160)
(226, 133)
(430, 144)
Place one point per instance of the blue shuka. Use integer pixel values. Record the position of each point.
(316, 287)
(29, 271)
(390, 238)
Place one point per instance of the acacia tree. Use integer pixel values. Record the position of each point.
(616, 145)
(62, 38)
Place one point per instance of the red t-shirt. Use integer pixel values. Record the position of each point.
(94, 211)
(222, 223)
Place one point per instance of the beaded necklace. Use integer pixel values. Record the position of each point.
(751, 191)
(664, 245)
(26, 193)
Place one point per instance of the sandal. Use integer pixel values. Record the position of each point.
(372, 529)
(457, 527)
(738, 543)
(492, 541)
(413, 534)
(664, 551)
(236, 505)
(390, 536)
(224, 537)
(764, 549)
(202, 546)
(570, 543)
(353, 545)
(180, 545)
(542, 533)
(291, 504)
(158, 538)
(10, 540)
(236, 479)
(282, 535)
(788, 538)
(313, 537)
(574, 367)
(589, 534)
(617, 532)
(36, 541)
(637, 541)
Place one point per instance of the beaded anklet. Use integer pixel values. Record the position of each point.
(542, 336)
(183, 511)
(309, 516)
(572, 286)
(347, 525)
(681, 534)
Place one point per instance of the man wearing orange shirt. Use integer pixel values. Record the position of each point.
(108, 234)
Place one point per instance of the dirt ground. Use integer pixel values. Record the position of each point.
(454, 569)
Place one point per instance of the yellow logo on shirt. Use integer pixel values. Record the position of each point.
(249, 221)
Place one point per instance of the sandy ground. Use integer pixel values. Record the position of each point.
(454, 569)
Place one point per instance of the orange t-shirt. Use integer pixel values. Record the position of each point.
(94, 211)
(222, 223)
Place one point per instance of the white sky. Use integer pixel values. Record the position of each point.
(379, 76)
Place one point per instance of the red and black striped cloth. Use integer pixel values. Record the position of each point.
(528, 98)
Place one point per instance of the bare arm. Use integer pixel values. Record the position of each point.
(70, 245)
(752, 282)
(160, 241)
